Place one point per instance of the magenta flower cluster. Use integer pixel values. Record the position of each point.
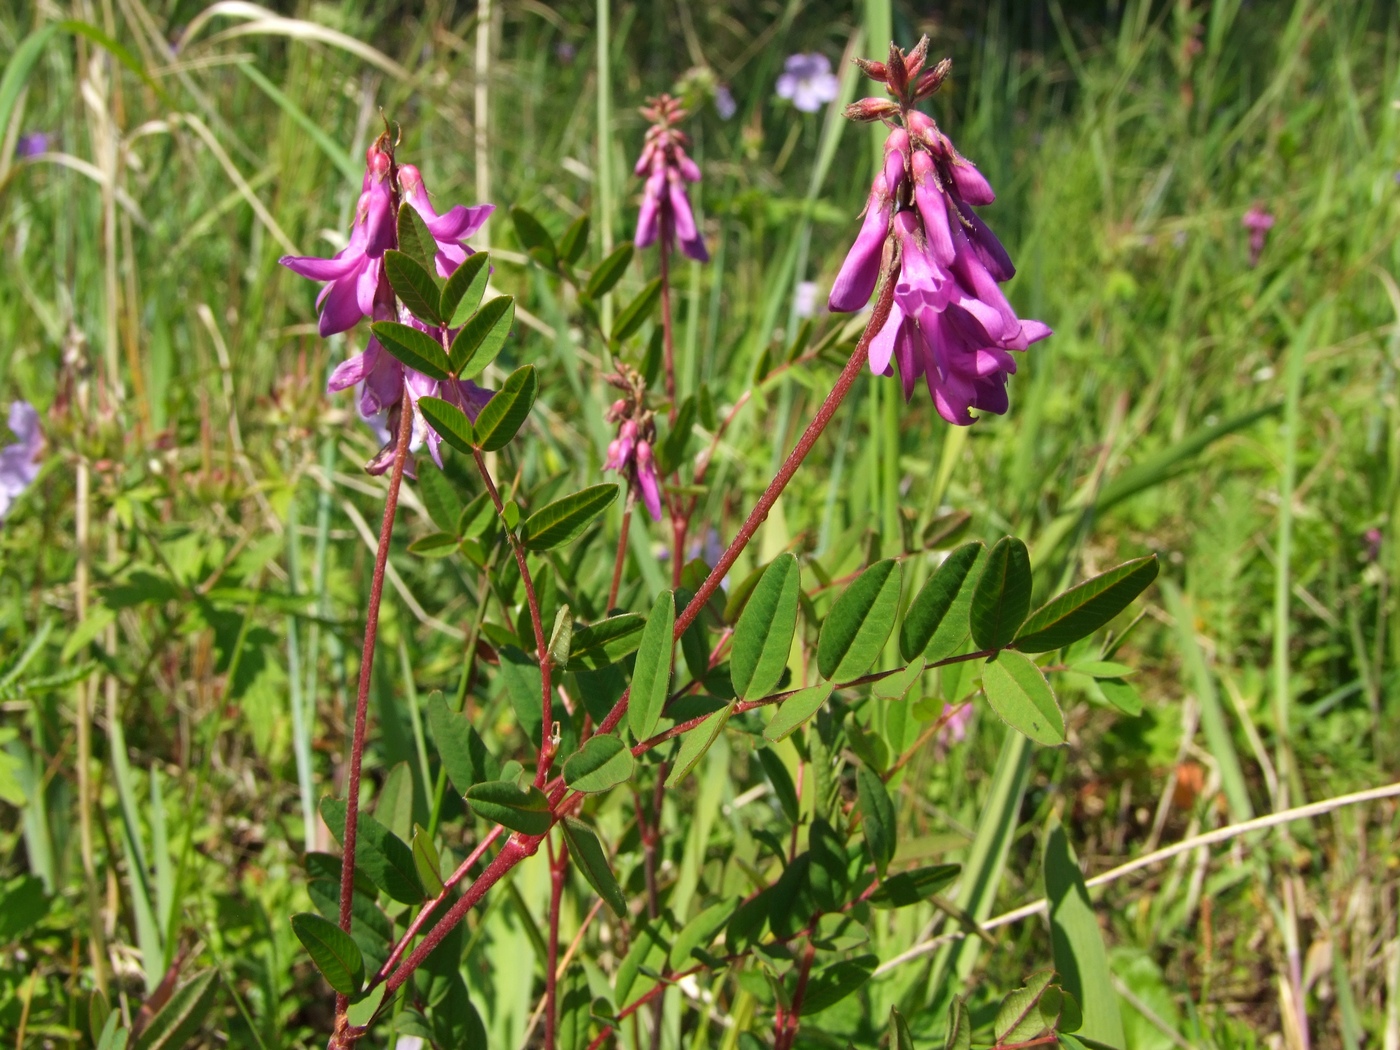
(630, 454)
(666, 211)
(356, 288)
(949, 324)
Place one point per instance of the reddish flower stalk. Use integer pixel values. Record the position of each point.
(357, 740)
(558, 869)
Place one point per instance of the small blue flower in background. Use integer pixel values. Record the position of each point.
(32, 144)
(725, 105)
(19, 463)
(808, 81)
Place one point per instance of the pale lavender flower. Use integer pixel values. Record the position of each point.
(807, 80)
(665, 210)
(32, 144)
(725, 105)
(804, 299)
(954, 730)
(353, 274)
(1258, 222)
(19, 462)
(949, 323)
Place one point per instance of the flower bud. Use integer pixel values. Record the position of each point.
(898, 78)
(869, 110)
(874, 70)
(933, 79)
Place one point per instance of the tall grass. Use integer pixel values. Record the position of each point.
(1242, 421)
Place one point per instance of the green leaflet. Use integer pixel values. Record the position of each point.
(651, 675)
(1082, 610)
(333, 951)
(763, 635)
(940, 609)
(1018, 692)
(860, 621)
(587, 849)
(504, 802)
(1002, 596)
(602, 763)
(503, 415)
(564, 520)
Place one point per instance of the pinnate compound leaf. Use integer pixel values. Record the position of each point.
(462, 293)
(1019, 1018)
(465, 756)
(608, 272)
(333, 951)
(900, 1037)
(565, 520)
(503, 802)
(418, 350)
(602, 763)
(587, 849)
(1078, 947)
(414, 286)
(914, 887)
(534, 238)
(1019, 693)
(796, 709)
(598, 645)
(695, 743)
(763, 635)
(937, 599)
(185, 1014)
(450, 422)
(877, 819)
(635, 313)
(959, 1027)
(504, 414)
(1082, 610)
(835, 982)
(1002, 596)
(860, 621)
(481, 337)
(651, 675)
(415, 239)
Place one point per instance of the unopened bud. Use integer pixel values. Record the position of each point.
(933, 79)
(869, 110)
(914, 61)
(874, 70)
(898, 78)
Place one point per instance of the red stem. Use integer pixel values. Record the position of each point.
(786, 1024)
(357, 740)
(517, 848)
(621, 548)
(558, 867)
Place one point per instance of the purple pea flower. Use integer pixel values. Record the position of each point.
(32, 144)
(630, 453)
(353, 274)
(451, 230)
(1258, 222)
(382, 377)
(19, 462)
(807, 80)
(665, 210)
(949, 324)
